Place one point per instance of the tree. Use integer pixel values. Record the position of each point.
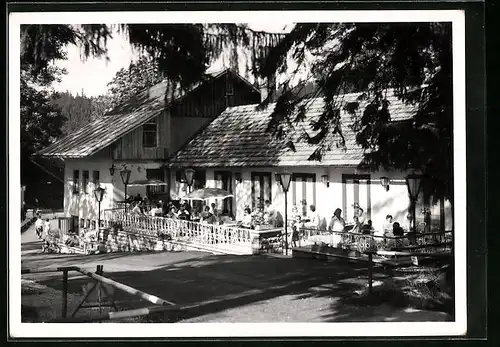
(126, 83)
(99, 106)
(182, 52)
(411, 60)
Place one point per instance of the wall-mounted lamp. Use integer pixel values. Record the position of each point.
(325, 180)
(237, 177)
(385, 182)
(189, 175)
(112, 170)
(277, 178)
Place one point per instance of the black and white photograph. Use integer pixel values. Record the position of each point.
(296, 168)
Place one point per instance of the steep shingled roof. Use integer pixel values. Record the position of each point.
(121, 120)
(238, 138)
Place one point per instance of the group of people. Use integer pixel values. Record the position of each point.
(184, 211)
(264, 214)
(42, 229)
(312, 220)
(391, 228)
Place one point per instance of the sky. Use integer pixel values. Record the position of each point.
(90, 77)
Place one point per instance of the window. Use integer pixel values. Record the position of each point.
(303, 189)
(355, 189)
(85, 180)
(229, 85)
(179, 176)
(261, 188)
(155, 174)
(149, 134)
(74, 224)
(76, 181)
(95, 178)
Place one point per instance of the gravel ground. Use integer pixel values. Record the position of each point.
(215, 288)
(41, 303)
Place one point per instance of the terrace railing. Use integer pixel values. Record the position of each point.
(425, 242)
(179, 230)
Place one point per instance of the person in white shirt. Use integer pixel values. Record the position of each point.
(360, 213)
(269, 213)
(337, 225)
(46, 228)
(137, 208)
(387, 227)
(314, 218)
(39, 226)
(156, 211)
(247, 218)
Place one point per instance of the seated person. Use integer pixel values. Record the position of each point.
(183, 213)
(247, 218)
(387, 227)
(157, 211)
(186, 206)
(172, 213)
(138, 198)
(137, 208)
(357, 225)
(367, 228)
(269, 213)
(397, 230)
(314, 218)
(207, 216)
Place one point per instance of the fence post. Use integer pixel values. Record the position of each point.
(65, 294)
(370, 272)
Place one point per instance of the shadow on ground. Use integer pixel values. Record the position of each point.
(201, 285)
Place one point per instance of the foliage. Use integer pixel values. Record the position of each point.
(41, 120)
(182, 52)
(41, 123)
(126, 83)
(99, 105)
(413, 61)
(76, 109)
(43, 44)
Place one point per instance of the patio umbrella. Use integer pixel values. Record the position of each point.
(149, 182)
(208, 193)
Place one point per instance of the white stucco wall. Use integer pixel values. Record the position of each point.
(85, 205)
(394, 201)
(81, 204)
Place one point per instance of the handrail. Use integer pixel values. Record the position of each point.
(163, 305)
(362, 242)
(127, 289)
(179, 229)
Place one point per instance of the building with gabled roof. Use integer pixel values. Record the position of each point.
(236, 153)
(140, 135)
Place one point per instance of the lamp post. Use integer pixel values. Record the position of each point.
(285, 178)
(414, 184)
(189, 173)
(99, 193)
(125, 175)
